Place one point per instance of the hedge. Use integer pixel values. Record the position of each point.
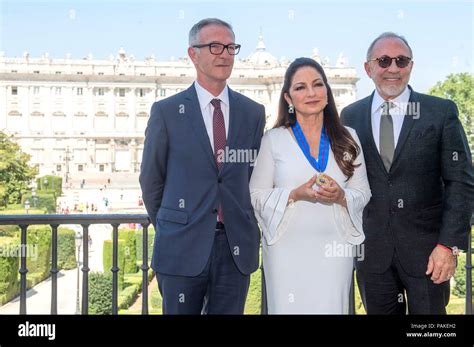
(58, 182)
(460, 277)
(100, 293)
(130, 250)
(128, 296)
(107, 260)
(39, 257)
(9, 230)
(66, 249)
(139, 243)
(44, 200)
(9, 284)
(133, 287)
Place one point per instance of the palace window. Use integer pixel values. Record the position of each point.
(100, 91)
(79, 91)
(121, 92)
(14, 90)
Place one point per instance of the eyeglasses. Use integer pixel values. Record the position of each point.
(385, 61)
(218, 48)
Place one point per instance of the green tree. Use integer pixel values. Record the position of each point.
(15, 171)
(460, 89)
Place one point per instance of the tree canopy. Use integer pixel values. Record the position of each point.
(15, 171)
(460, 89)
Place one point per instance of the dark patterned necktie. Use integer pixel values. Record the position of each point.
(218, 128)
(387, 141)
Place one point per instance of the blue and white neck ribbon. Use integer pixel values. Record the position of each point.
(324, 144)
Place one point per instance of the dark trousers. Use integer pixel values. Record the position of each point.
(220, 289)
(389, 292)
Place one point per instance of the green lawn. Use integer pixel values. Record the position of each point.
(19, 209)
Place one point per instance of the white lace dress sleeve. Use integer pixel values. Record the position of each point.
(269, 202)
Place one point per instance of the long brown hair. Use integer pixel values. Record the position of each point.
(344, 147)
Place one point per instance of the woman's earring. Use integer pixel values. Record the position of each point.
(291, 108)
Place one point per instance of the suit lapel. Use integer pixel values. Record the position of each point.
(194, 114)
(408, 122)
(367, 127)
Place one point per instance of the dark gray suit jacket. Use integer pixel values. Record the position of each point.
(427, 196)
(182, 186)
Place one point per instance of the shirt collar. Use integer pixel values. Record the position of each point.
(400, 101)
(205, 97)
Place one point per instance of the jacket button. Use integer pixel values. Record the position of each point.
(219, 180)
(214, 211)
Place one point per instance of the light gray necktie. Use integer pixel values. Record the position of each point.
(387, 142)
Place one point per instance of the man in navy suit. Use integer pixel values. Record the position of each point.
(420, 174)
(199, 149)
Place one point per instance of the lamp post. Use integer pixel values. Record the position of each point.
(78, 241)
(67, 158)
(27, 206)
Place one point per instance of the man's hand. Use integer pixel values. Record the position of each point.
(441, 265)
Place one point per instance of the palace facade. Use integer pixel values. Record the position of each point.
(89, 116)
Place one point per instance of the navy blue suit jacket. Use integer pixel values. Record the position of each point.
(182, 186)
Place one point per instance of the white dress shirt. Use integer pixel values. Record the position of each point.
(397, 112)
(207, 110)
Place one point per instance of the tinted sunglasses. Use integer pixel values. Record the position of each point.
(385, 61)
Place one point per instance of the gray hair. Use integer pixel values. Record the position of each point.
(196, 29)
(386, 35)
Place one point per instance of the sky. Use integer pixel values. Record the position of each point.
(439, 32)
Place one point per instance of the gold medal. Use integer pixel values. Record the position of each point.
(323, 180)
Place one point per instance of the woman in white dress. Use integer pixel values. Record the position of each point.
(309, 188)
